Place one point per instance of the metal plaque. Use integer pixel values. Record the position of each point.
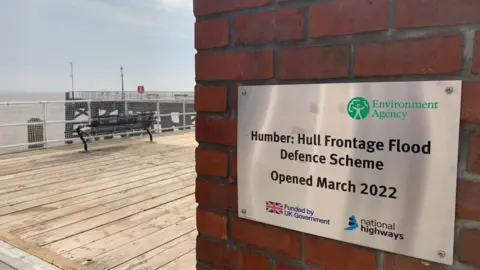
(373, 164)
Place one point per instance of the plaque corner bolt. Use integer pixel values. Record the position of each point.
(244, 93)
(244, 211)
(441, 253)
(449, 90)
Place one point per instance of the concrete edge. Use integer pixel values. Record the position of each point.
(41, 253)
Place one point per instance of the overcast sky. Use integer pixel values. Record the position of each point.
(152, 39)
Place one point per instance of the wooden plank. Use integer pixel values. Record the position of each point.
(168, 186)
(30, 220)
(163, 216)
(91, 206)
(19, 170)
(78, 147)
(131, 233)
(163, 255)
(168, 155)
(82, 171)
(23, 169)
(42, 253)
(88, 224)
(10, 198)
(31, 195)
(76, 151)
(45, 175)
(143, 245)
(54, 181)
(16, 170)
(62, 165)
(71, 205)
(80, 177)
(109, 183)
(187, 261)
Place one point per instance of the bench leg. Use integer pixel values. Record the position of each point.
(149, 134)
(83, 139)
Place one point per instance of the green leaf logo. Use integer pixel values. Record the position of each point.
(358, 108)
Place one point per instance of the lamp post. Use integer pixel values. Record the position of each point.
(121, 75)
(71, 76)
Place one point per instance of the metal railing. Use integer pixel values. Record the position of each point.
(131, 95)
(45, 124)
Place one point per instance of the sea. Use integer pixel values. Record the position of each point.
(13, 137)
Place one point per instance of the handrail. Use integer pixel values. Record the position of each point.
(42, 118)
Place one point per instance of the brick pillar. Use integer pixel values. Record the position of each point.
(242, 42)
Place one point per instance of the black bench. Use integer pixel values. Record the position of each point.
(112, 125)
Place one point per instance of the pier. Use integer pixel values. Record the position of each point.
(128, 204)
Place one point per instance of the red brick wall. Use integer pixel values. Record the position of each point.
(241, 42)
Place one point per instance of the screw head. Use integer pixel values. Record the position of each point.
(449, 90)
(244, 93)
(244, 211)
(441, 253)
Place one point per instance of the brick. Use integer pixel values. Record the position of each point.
(414, 13)
(476, 54)
(314, 62)
(233, 166)
(221, 255)
(216, 130)
(236, 65)
(210, 99)
(346, 17)
(331, 254)
(204, 7)
(473, 162)
(468, 200)
(421, 56)
(211, 34)
(235, 98)
(392, 262)
(470, 111)
(211, 162)
(285, 266)
(214, 194)
(269, 26)
(469, 248)
(276, 240)
(211, 223)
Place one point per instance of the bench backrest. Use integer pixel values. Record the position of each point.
(143, 120)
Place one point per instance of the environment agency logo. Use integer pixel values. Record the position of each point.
(358, 108)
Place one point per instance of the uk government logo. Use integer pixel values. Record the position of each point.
(374, 227)
(359, 108)
(295, 212)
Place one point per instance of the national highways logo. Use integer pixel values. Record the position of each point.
(359, 108)
(374, 228)
(352, 224)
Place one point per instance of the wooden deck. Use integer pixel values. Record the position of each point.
(129, 204)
